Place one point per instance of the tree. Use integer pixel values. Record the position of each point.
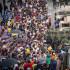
(4, 5)
(1, 8)
(4, 2)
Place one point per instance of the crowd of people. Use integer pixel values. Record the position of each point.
(31, 18)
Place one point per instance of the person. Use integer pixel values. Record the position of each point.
(53, 63)
(27, 51)
(48, 61)
(58, 64)
(16, 67)
(27, 65)
(57, 23)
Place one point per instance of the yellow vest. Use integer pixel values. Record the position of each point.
(27, 51)
(9, 30)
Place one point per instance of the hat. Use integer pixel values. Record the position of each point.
(54, 54)
(49, 48)
(4, 46)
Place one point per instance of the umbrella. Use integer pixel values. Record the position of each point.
(9, 62)
(12, 61)
(5, 64)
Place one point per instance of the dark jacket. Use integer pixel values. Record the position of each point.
(53, 65)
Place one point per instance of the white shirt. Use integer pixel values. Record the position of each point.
(8, 23)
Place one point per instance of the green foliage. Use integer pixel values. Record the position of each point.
(62, 36)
